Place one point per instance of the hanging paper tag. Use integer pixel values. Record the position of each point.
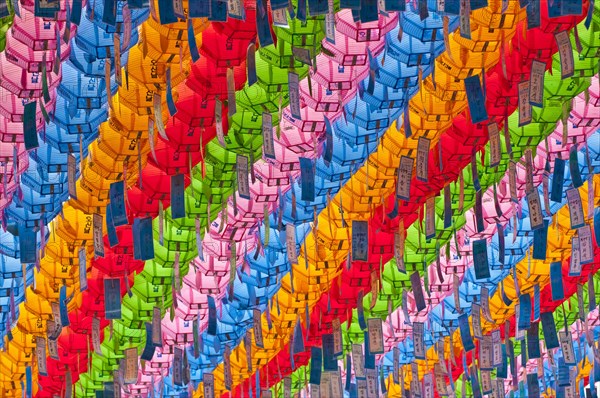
(557, 180)
(293, 87)
(68, 385)
(533, 341)
(360, 240)
(338, 347)
(430, 218)
(419, 340)
(40, 354)
(290, 233)
(235, 9)
(112, 298)
(98, 235)
(586, 250)
(177, 196)
(475, 97)
(399, 251)
(307, 178)
(575, 208)
(575, 260)
(375, 332)
(496, 348)
(72, 176)
(566, 345)
(396, 364)
(536, 218)
(208, 381)
(142, 238)
(358, 361)
(316, 364)
(404, 178)
(423, 159)
(131, 366)
(149, 348)
(525, 113)
(219, 122)
(117, 203)
(495, 147)
(485, 304)
(480, 259)
(30, 137)
(524, 321)
(417, 288)
(565, 49)
(178, 366)
(96, 336)
(476, 320)
(330, 22)
(156, 327)
(465, 20)
(280, 17)
(83, 282)
(465, 332)
(251, 64)
(158, 117)
(456, 294)
(263, 27)
(227, 375)
(536, 83)
(243, 179)
(257, 326)
(53, 349)
(267, 130)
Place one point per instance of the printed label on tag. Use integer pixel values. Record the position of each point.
(372, 383)
(287, 387)
(375, 336)
(485, 353)
(330, 23)
(40, 353)
(495, 146)
(419, 340)
(423, 159)
(415, 383)
(536, 83)
(177, 366)
(528, 170)
(242, 176)
(427, 385)
(98, 235)
(575, 208)
(336, 384)
(358, 361)
(496, 348)
(418, 294)
(586, 249)
(294, 90)
(399, 251)
(396, 364)
(535, 210)
(156, 327)
(565, 49)
(430, 218)
(456, 294)
(512, 181)
(307, 179)
(53, 349)
(280, 18)
(404, 178)
(465, 20)
(227, 375)
(72, 176)
(302, 54)
(525, 114)
(290, 238)
(235, 9)
(325, 386)
(486, 382)
(476, 320)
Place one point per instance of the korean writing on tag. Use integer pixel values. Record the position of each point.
(336, 384)
(375, 336)
(294, 90)
(525, 113)
(396, 364)
(330, 22)
(440, 382)
(96, 336)
(512, 181)
(575, 267)
(156, 327)
(40, 353)
(361, 389)
(496, 348)
(485, 353)
(423, 159)
(98, 235)
(430, 218)
(586, 249)
(535, 210)
(566, 345)
(575, 208)
(227, 375)
(358, 361)
(72, 176)
(399, 251)
(485, 304)
(371, 382)
(235, 9)
(131, 366)
(360, 240)
(280, 18)
(242, 176)
(257, 326)
(465, 20)
(177, 366)
(565, 49)
(53, 349)
(208, 380)
(267, 131)
(419, 339)
(427, 385)
(495, 147)
(415, 383)
(528, 170)
(486, 382)
(287, 387)
(536, 83)
(302, 54)
(404, 178)
(465, 332)
(325, 386)
(290, 239)
(338, 347)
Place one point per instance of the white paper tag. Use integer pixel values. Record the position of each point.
(476, 320)
(575, 208)
(586, 249)
(485, 352)
(375, 327)
(53, 349)
(290, 239)
(404, 177)
(528, 170)
(131, 366)
(496, 348)
(242, 176)
(430, 218)
(455, 291)
(96, 336)
(98, 235)
(525, 114)
(156, 327)
(315, 390)
(419, 340)
(336, 384)
(427, 386)
(486, 381)
(566, 345)
(40, 353)
(227, 375)
(325, 386)
(536, 83)
(575, 267)
(565, 49)
(83, 282)
(338, 347)
(235, 9)
(423, 159)
(287, 387)
(267, 131)
(485, 304)
(535, 210)
(294, 90)
(358, 361)
(371, 383)
(330, 23)
(280, 18)
(512, 181)
(399, 251)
